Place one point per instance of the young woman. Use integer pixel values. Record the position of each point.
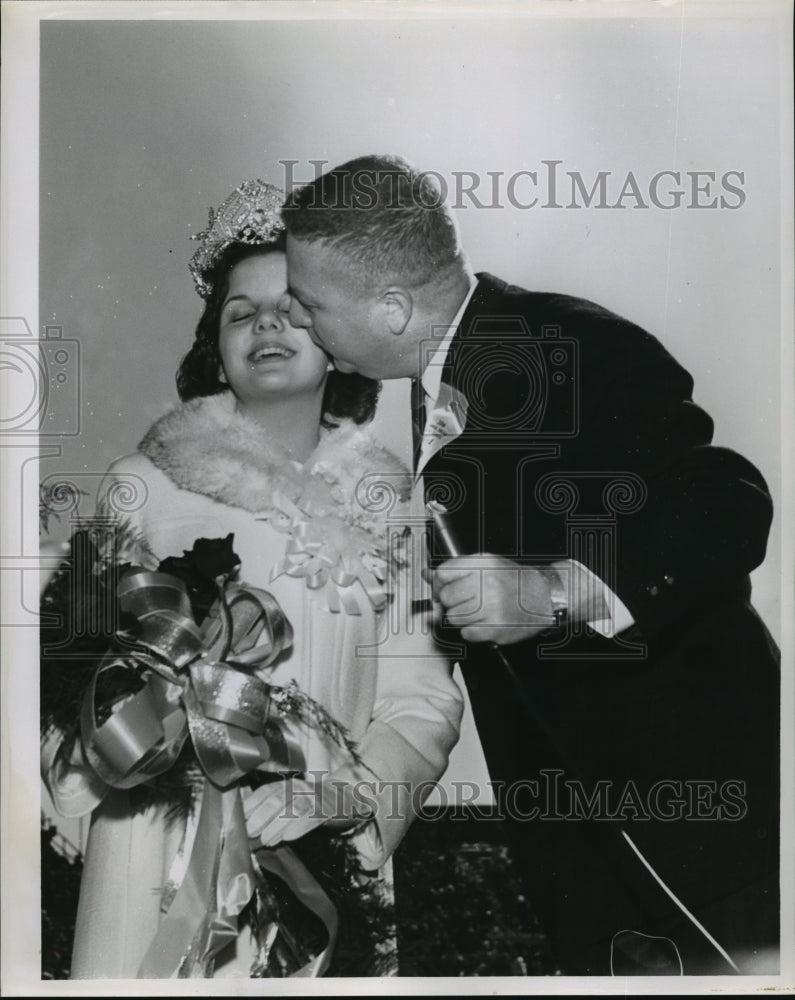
(271, 445)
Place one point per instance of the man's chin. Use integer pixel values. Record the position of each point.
(345, 367)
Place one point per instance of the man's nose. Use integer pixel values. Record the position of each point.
(299, 317)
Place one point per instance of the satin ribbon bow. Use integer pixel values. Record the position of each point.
(198, 682)
(330, 556)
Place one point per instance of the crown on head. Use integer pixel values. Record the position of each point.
(251, 214)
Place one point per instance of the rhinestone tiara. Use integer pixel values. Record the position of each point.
(251, 214)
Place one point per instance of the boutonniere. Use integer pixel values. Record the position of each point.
(446, 421)
(448, 416)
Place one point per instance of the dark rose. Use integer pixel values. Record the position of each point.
(215, 557)
(199, 570)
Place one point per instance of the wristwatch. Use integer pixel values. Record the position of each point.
(558, 595)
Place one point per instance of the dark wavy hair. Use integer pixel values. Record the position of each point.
(350, 396)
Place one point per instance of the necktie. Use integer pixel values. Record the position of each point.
(418, 417)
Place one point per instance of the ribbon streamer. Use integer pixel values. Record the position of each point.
(202, 915)
(282, 861)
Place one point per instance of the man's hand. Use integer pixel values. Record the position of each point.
(492, 599)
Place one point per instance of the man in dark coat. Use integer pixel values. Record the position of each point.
(625, 691)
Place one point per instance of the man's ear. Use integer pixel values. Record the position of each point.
(397, 305)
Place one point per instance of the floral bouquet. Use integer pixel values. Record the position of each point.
(153, 680)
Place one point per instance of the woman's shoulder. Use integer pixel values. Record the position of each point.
(133, 464)
(130, 484)
(181, 425)
(135, 468)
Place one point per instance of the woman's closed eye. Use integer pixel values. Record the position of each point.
(238, 315)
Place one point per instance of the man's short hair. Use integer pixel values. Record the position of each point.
(387, 219)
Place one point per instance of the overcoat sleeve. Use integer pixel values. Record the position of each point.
(702, 522)
(414, 726)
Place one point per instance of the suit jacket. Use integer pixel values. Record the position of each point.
(582, 441)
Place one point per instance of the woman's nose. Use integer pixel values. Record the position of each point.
(269, 320)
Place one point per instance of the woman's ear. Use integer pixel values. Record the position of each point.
(398, 306)
(222, 375)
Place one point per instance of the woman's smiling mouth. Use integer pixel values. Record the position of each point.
(270, 352)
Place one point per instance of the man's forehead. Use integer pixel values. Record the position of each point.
(308, 252)
(300, 272)
(312, 265)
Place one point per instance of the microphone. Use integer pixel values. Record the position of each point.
(443, 526)
(450, 544)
